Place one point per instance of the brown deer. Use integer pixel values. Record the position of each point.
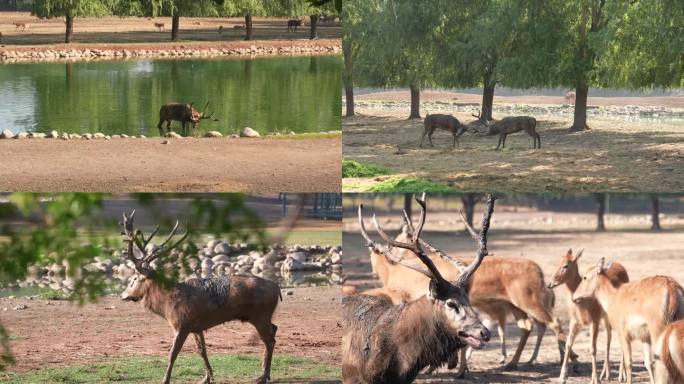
(22, 27)
(385, 343)
(503, 286)
(638, 310)
(292, 24)
(160, 27)
(570, 96)
(193, 306)
(185, 113)
(444, 122)
(220, 30)
(513, 124)
(669, 354)
(586, 312)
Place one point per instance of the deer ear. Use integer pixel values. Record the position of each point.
(579, 254)
(569, 252)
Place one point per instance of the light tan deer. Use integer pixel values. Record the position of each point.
(638, 310)
(586, 312)
(503, 286)
(387, 343)
(159, 26)
(669, 354)
(196, 305)
(22, 27)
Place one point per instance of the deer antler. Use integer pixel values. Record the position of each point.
(133, 237)
(377, 248)
(481, 239)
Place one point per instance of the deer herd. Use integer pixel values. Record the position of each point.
(429, 309)
(503, 127)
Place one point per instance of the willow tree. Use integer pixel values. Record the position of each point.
(352, 38)
(70, 9)
(397, 49)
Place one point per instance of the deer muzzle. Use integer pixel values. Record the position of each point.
(477, 337)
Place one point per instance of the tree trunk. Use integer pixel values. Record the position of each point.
(314, 27)
(601, 203)
(580, 122)
(248, 26)
(415, 102)
(69, 28)
(655, 213)
(408, 200)
(469, 201)
(348, 77)
(175, 26)
(349, 93)
(487, 102)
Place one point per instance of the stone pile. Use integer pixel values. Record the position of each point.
(290, 265)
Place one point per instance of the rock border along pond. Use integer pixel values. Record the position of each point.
(247, 132)
(267, 48)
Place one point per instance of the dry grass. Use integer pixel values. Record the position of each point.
(613, 156)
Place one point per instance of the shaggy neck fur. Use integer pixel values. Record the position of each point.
(155, 297)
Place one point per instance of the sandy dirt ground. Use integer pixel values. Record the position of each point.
(141, 32)
(182, 165)
(74, 335)
(543, 237)
(612, 156)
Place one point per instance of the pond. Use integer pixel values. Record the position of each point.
(294, 94)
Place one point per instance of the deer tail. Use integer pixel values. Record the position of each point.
(280, 293)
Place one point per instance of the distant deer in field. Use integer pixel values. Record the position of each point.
(220, 30)
(570, 96)
(445, 122)
(292, 24)
(160, 27)
(196, 305)
(503, 286)
(638, 310)
(385, 343)
(669, 354)
(22, 27)
(586, 312)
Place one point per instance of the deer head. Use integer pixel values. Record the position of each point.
(591, 281)
(449, 299)
(142, 253)
(566, 268)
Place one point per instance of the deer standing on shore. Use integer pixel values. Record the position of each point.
(22, 27)
(637, 310)
(185, 113)
(669, 354)
(503, 286)
(193, 306)
(444, 122)
(292, 24)
(159, 27)
(586, 312)
(385, 343)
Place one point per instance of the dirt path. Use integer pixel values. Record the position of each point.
(613, 156)
(148, 165)
(307, 327)
(98, 32)
(542, 237)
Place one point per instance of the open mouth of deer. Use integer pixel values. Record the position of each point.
(473, 341)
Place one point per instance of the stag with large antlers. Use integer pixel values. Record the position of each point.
(193, 306)
(185, 113)
(385, 343)
(586, 312)
(638, 310)
(503, 286)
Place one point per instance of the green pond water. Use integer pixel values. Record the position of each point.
(300, 94)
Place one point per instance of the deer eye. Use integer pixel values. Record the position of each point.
(452, 305)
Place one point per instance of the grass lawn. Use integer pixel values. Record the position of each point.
(187, 369)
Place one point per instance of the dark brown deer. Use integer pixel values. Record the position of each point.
(587, 312)
(513, 124)
(444, 122)
(193, 306)
(185, 113)
(292, 25)
(385, 343)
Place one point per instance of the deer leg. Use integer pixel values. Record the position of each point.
(463, 368)
(422, 138)
(177, 345)
(538, 140)
(501, 328)
(202, 349)
(648, 361)
(501, 140)
(627, 357)
(267, 334)
(541, 329)
(605, 372)
(594, 335)
(159, 126)
(430, 138)
(574, 329)
(525, 326)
